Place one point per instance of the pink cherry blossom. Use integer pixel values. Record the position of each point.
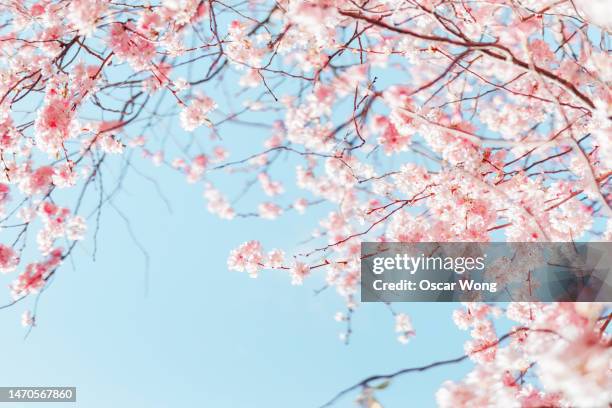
(269, 186)
(196, 114)
(27, 319)
(276, 258)
(39, 181)
(269, 210)
(218, 204)
(130, 45)
(373, 121)
(75, 228)
(35, 275)
(8, 259)
(247, 258)
(83, 14)
(299, 271)
(403, 326)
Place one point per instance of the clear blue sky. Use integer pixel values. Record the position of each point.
(204, 336)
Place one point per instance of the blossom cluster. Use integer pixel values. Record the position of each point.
(399, 121)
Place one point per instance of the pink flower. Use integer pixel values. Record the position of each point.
(580, 372)
(35, 275)
(270, 187)
(54, 122)
(76, 228)
(40, 180)
(220, 154)
(8, 259)
(131, 45)
(218, 204)
(196, 114)
(404, 328)
(300, 205)
(197, 168)
(269, 211)
(27, 319)
(84, 14)
(276, 258)
(541, 53)
(391, 139)
(157, 158)
(247, 257)
(64, 176)
(298, 272)
(38, 9)
(4, 192)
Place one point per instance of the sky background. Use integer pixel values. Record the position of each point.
(204, 336)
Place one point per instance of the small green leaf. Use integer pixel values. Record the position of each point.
(382, 385)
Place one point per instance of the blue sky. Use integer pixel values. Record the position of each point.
(204, 336)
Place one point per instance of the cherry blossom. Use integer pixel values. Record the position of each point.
(276, 258)
(269, 210)
(404, 328)
(373, 121)
(196, 114)
(247, 258)
(27, 319)
(299, 271)
(8, 259)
